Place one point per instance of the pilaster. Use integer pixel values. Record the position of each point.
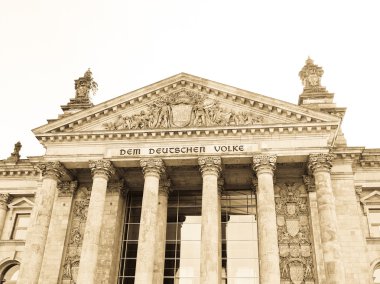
(162, 213)
(5, 198)
(112, 224)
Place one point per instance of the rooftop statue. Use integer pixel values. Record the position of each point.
(15, 155)
(311, 74)
(83, 86)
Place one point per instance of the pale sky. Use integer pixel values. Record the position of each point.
(259, 46)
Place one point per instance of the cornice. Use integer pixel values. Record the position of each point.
(350, 153)
(17, 170)
(191, 82)
(268, 129)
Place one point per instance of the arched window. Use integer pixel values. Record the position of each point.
(376, 274)
(10, 273)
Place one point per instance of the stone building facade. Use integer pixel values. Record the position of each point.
(192, 181)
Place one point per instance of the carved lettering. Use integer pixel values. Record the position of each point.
(184, 150)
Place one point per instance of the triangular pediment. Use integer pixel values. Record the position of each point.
(373, 197)
(185, 102)
(22, 202)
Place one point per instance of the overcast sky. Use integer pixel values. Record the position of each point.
(259, 46)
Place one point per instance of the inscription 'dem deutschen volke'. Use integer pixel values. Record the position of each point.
(208, 149)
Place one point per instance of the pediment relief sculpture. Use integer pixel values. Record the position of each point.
(184, 109)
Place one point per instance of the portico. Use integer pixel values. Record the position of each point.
(191, 181)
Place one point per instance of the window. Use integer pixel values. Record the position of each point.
(374, 222)
(10, 274)
(376, 274)
(183, 238)
(20, 226)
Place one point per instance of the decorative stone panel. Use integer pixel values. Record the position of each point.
(294, 236)
(75, 237)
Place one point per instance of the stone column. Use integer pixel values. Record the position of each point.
(162, 214)
(319, 165)
(4, 200)
(152, 169)
(55, 242)
(211, 243)
(40, 221)
(269, 260)
(101, 171)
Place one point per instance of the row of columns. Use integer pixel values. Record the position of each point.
(152, 235)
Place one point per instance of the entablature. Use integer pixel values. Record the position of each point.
(187, 103)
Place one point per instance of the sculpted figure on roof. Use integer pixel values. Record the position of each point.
(83, 86)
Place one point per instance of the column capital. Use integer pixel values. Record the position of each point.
(117, 187)
(5, 198)
(220, 186)
(309, 183)
(152, 166)
(320, 162)
(102, 168)
(67, 188)
(264, 162)
(164, 187)
(210, 165)
(54, 170)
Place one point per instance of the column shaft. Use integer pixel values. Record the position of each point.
(152, 169)
(101, 171)
(55, 242)
(40, 221)
(269, 259)
(162, 214)
(320, 165)
(211, 243)
(4, 199)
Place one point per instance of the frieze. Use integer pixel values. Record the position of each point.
(294, 236)
(184, 109)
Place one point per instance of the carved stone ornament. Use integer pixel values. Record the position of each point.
(264, 162)
(67, 188)
(5, 198)
(294, 236)
(183, 109)
(83, 86)
(70, 265)
(320, 161)
(311, 74)
(210, 165)
(102, 167)
(53, 170)
(152, 166)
